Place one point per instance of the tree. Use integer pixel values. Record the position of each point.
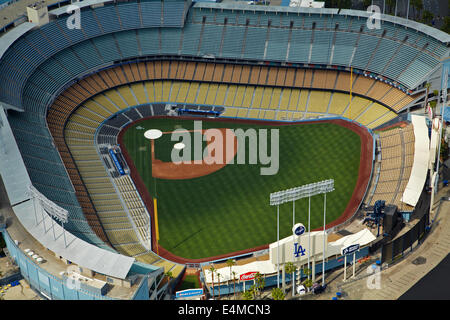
(417, 5)
(278, 294)
(446, 25)
(306, 272)
(427, 86)
(344, 4)
(427, 17)
(248, 294)
(234, 284)
(444, 150)
(367, 3)
(169, 276)
(433, 104)
(391, 5)
(260, 283)
(291, 268)
(218, 278)
(212, 269)
(308, 282)
(230, 264)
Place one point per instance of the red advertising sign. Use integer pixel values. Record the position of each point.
(248, 276)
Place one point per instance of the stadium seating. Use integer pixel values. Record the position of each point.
(397, 156)
(36, 69)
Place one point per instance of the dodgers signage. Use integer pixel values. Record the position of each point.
(189, 293)
(298, 250)
(350, 249)
(298, 229)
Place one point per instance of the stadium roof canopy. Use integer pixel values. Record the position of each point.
(277, 9)
(82, 4)
(16, 180)
(72, 248)
(435, 33)
(8, 38)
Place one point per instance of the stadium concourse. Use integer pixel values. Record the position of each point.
(79, 227)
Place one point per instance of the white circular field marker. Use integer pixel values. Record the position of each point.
(179, 146)
(153, 134)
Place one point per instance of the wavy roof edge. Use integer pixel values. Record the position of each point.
(430, 31)
(16, 180)
(81, 4)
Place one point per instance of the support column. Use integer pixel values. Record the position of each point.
(278, 246)
(345, 268)
(313, 269)
(309, 235)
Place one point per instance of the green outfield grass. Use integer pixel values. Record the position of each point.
(229, 210)
(190, 282)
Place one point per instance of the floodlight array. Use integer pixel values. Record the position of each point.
(50, 207)
(308, 190)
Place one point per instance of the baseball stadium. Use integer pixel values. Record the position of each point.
(92, 208)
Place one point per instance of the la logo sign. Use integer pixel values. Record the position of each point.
(298, 250)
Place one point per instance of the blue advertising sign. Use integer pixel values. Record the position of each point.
(189, 293)
(350, 249)
(116, 162)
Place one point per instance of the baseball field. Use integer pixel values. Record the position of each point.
(227, 211)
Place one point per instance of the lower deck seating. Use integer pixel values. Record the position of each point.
(290, 98)
(397, 155)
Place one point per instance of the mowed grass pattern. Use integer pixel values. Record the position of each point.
(229, 210)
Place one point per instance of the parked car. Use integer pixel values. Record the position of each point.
(301, 290)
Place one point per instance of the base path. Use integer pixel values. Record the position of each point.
(364, 176)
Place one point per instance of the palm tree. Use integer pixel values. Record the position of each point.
(277, 294)
(308, 282)
(169, 276)
(230, 263)
(260, 283)
(212, 269)
(234, 284)
(218, 277)
(290, 268)
(248, 295)
(427, 86)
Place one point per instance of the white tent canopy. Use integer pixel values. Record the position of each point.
(419, 168)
